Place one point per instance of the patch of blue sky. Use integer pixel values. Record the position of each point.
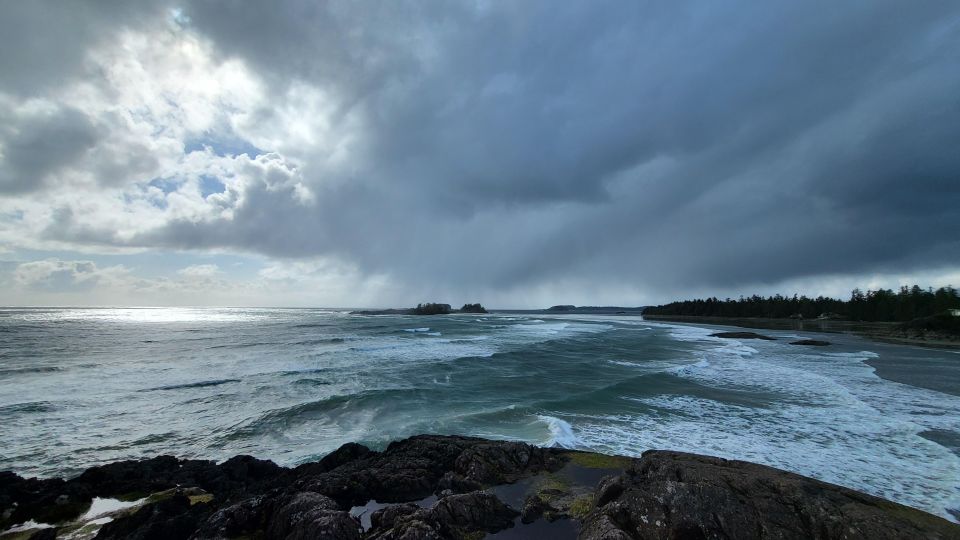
(166, 185)
(210, 185)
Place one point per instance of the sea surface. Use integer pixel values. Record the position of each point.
(80, 387)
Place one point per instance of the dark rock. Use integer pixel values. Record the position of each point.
(311, 515)
(239, 519)
(345, 454)
(534, 508)
(385, 518)
(170, 519)
(677, 495)
(609, 489)
(49, 533)
(413, 468)
(455, 516)
(477, 511)
(236, 476)
(23, 499)
(472, 308)
(742, 335)
(663, 494)
(431, 308)
(502, 462)
(455, 483)
(812, 342)
(144, 476)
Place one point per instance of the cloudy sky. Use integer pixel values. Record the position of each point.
(520, 154)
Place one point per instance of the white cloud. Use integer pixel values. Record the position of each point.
(200, 271)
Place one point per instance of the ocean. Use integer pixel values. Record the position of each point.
(81, 387)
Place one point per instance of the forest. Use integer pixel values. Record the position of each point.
(907, 304)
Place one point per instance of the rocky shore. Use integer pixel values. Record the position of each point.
(432, 487)
(913, 333)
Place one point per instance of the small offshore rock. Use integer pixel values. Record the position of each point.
(811, 342)
(742, 335)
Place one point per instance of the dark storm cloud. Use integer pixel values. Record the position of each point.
(657, 143)
(37, 144)
(44, 42)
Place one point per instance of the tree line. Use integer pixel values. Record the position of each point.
(873, 305)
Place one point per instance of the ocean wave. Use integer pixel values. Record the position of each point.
(319, 411)
(415, 330)
(243, 345)
(198, 384)
(27, 370)
(322, 341)
(28, 407)
(304, 371)
(561, 432)
(312, 382)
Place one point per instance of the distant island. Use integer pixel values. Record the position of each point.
(430, 308)
(911, 315)
(882, 305)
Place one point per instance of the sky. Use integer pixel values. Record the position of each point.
(518, 154)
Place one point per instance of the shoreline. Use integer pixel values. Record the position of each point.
(874, 331)
(435, 486)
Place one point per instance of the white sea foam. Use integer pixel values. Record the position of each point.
(26, 526)
(561, 432)
(627, 364)
(831, 418)
(414, 330)
(101, 506)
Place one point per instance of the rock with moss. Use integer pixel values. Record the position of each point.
(432, 486)
(679, 495)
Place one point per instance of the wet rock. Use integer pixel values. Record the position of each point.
(311, 515)
(413, 468)
(811, 342)
(609, 489)
(23, 499)
(239, 519)
(742, 335)
(456, 516)
(385, 518)
(452, 482)
(534, 508)
(663, 494)
(495, 463)
(49, 533)
(474, 511)
(341, 456)
(677, 495)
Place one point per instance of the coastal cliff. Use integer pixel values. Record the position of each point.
(434, 487)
